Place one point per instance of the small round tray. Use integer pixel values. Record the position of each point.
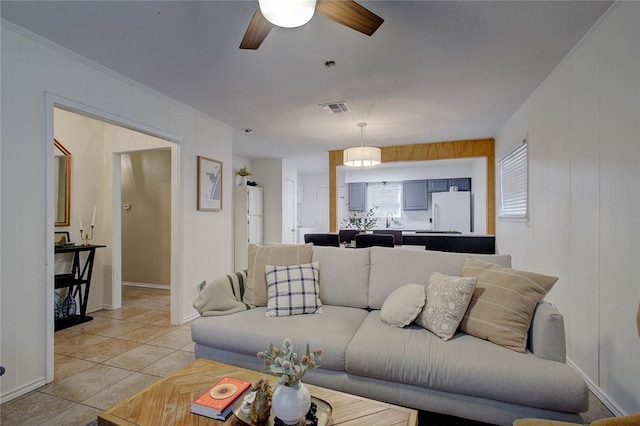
(323, 413)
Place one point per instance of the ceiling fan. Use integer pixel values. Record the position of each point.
(344, 12)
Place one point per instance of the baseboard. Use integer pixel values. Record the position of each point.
(190, 318)
(22, 390)
(599, 393)
(147, 285)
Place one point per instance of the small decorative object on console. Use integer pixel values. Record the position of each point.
(260, 405)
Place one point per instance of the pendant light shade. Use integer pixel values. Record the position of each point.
(287, 13)
(362, 156)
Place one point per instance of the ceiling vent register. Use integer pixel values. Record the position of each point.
(335, 107)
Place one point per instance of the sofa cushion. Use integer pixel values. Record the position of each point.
(249, 332)
(393, 267)
(447, 300)
(221, 296)
(344, 276)
(403, 305)
(463, 365)
(261, 256)
(503, 302)
(293, 290)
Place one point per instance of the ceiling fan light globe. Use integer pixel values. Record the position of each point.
(362, 156)
(287, 13)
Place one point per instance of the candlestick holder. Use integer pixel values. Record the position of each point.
(86, 237)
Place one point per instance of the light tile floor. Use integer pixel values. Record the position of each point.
(106, 360)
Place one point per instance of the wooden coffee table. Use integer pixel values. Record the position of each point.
(168, 401)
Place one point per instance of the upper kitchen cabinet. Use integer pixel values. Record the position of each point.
(414, 195)
(438, 185)
(463, 184)
(443, 185)
(358, 196)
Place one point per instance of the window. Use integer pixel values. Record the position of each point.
(387, 196)
(513, 184)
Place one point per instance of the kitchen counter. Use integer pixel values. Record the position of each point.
(460, 243)
(443, 233)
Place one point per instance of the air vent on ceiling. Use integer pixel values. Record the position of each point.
(335, 107)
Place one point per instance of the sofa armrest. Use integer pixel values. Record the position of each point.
(546, 334)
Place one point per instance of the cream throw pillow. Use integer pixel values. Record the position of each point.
(403, 305)
(260, 256)
(447, 300)
(503, 302)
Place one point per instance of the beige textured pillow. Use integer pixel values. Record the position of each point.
(503, 302)
(447, 300)
(403, 305)
(255, 292)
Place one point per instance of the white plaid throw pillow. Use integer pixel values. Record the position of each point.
(293, 290)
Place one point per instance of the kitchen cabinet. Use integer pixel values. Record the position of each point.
(463, 184)
(248, 222)
(443, 185)
(414, 195)
(438, 185)
(358, 196)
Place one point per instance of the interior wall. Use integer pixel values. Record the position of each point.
(584, 153)
(32, 68)
(146, 221)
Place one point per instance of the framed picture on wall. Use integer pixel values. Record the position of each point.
(209, 184)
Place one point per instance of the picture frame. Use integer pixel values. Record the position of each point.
(209, 184)
(61, 238)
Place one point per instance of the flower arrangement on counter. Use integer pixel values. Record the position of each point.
(362, 220)
(284, 362)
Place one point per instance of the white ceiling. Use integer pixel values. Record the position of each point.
(434, 71)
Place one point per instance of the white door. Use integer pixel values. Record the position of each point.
(288, 212)
(255, 229)
(322, 208)
(255, 200)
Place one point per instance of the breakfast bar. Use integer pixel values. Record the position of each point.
(451, 241)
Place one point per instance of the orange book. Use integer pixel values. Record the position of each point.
(218, 401)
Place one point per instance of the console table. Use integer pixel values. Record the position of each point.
(74, 281)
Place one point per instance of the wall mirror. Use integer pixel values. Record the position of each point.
(61, 185)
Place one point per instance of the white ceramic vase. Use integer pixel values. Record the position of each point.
(290, 404)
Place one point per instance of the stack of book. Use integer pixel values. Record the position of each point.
(218, 401)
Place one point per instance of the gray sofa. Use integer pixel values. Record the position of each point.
(465, 376)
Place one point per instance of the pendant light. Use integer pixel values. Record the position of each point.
(362, 156)
(287, 13)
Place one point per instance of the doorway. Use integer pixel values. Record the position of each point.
(130, 136)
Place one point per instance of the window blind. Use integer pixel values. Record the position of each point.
(513, 184)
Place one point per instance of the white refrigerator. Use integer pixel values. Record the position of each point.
(451, 211)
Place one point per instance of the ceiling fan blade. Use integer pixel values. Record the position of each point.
(350, 14)
(256, 32)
